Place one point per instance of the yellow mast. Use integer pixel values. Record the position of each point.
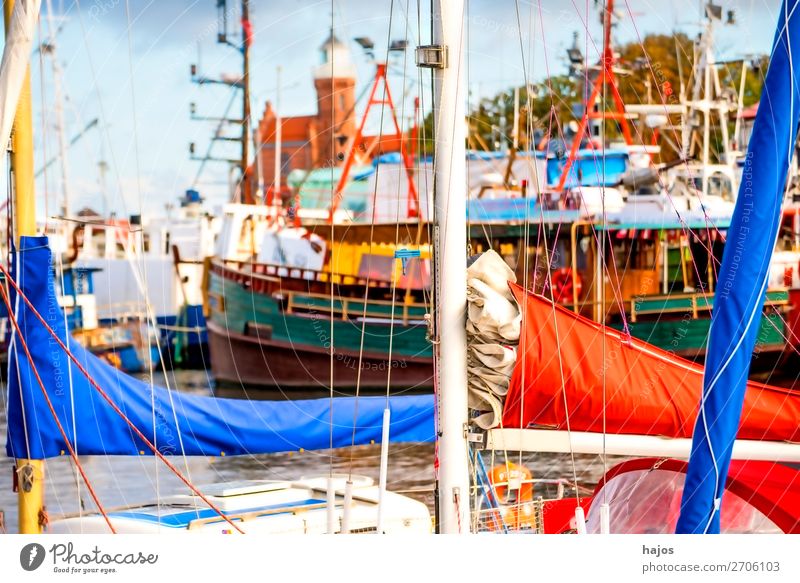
(30, 473)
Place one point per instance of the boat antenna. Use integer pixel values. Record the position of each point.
(236, 83)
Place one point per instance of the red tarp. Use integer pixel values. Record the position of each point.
(772, 488)
(649, 391)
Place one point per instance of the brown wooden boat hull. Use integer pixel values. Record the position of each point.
(249, 361)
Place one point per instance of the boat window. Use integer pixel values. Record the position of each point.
(378, 268)
(721, 186)
(703, 267)
(679, 189)
(634, 249)
(98, 242)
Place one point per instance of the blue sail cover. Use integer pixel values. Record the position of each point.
(742, 280)
(184, 424)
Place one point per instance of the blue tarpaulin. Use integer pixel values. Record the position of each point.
(590, 168)
(178, 423)
(517, 210)
(742, 280)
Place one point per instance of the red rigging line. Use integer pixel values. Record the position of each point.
(605, 77)
(108, 399)
(413, 143)
(413, 198)
(72, 452)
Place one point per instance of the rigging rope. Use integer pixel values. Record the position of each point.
(371, 245)
(72, 453)
(111, 403)
(333, 252)
(548, 277)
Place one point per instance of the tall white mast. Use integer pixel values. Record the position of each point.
(707, 97)
(705, 63)
(445, 56)
(50, 49)
(515, 129)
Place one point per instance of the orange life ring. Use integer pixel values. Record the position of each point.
(512, 488)
(565, 285)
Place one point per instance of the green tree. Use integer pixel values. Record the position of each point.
(657, 70)
(543, 107)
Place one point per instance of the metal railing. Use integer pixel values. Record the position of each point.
(353, 308)
(233, 266)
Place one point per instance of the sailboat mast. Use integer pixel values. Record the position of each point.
(247, 34)
(59, 109)
(22, 151)
(450, 232)
(30, 473)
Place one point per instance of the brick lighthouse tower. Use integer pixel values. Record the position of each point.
(335, 82)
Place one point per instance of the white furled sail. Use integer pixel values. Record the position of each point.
(16, 54)
(493, 324)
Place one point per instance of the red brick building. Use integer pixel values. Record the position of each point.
(320, 139)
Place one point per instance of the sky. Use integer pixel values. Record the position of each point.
(127, 64)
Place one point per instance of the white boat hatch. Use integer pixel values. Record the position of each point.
(241, 487)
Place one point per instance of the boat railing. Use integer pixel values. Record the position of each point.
(693, 303)
(123, 311)
(258, 270)
(348, 308)
(521, 515)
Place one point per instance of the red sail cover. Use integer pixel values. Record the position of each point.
(649, 391)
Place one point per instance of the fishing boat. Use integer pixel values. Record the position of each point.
(646, 262)
(105, 412)
(132, 258)
(275, 311)
(124, 342)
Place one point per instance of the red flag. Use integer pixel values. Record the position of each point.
(247, 31)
